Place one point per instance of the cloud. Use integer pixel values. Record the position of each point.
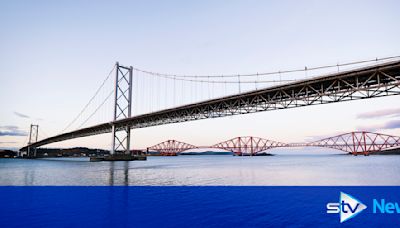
(10, 130)
(9, 127)
(8, 142)
(380, 113)
(392, 124)
(13, 133)
(370, 128)
(21, 115)
(26, 116)
(313, 138)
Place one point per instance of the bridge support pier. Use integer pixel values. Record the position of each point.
(361, 153)
(31, 152)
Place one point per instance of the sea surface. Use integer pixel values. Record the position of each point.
(283, 169)
(290, 189)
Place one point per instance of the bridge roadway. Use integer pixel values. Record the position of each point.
(362, 83)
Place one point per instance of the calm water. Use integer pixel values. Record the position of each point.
(282, 169)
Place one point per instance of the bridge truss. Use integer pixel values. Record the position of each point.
(359, 142)
(248, 145)
(171, 147)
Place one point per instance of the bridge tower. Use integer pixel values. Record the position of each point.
(122, 109)
(33, 137)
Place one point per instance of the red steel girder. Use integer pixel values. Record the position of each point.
(248, 145)
(171, 147)
(359, 142)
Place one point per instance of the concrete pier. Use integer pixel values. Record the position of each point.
(120, 157)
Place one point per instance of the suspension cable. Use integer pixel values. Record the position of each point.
(97, 109)
(221, 82)
(268, 73)
(90, 101)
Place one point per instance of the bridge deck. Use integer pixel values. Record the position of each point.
(367, 82)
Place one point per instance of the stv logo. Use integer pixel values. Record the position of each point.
(348, 207)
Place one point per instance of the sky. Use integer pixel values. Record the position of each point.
(54, 55)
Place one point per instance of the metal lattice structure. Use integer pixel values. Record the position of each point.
(248, 145)
(122, 109)
(359, 142)
(171, 147)
(362, 83)
(33, 138)
(354, 142)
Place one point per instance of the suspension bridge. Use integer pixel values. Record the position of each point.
(172, 98)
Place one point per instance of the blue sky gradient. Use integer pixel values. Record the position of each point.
(54, 55)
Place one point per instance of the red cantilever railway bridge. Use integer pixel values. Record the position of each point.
(353, 142)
